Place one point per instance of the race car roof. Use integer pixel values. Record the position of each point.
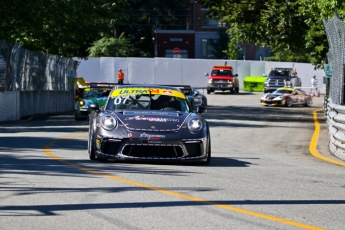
(122, 90)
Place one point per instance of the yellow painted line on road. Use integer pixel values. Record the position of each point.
(47, 151)
(313, 142)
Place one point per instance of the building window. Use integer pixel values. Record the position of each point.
(204, 47)
(209, 22)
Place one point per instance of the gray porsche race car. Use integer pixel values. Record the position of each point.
(148, 123)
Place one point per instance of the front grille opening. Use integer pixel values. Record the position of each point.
(84, 113)
(194, 149)
(152, 151)
(111, 147)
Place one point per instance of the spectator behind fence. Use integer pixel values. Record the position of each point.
(120, 77)
(314, 86)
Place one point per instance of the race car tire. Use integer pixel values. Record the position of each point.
(208, 91)
(204, 102)
(91, 147)
(308, 102)
(288, 102)
(232, 90)
(237, 89)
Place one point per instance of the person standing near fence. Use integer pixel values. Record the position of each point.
(314, 86)
(120, 77)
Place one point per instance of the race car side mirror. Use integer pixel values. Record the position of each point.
(236, 75)
(206, 74)
(201, 109)
(94, 107)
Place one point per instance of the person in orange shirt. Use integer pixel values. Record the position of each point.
(120, 77)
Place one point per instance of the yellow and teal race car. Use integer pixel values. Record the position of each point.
(96, 93)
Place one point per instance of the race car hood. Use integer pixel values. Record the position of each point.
(280, 78)
(273, 95)
(221, 77)
(152, 120)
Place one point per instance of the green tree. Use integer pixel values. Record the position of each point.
(292, 29)
(112, 47)
(61, 27)
(70, 27)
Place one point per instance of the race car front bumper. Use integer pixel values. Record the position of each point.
(151, 148)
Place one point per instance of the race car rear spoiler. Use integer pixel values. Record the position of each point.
(102, 85)
(181, 87)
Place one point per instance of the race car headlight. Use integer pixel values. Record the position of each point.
(195, 125)
(108, 122)
(81, 103)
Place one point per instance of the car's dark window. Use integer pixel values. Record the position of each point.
(221, 73)
(186, 91)
(95, 93)
(283, 91)
(280, 73)
(299, 91)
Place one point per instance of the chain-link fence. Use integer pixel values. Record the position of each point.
(335, 31)
(26, 70)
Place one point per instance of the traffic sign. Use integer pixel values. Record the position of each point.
(176, 51)
(328, 70)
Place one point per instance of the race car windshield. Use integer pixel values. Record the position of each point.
(94, 93)
(187, 91)
(221, 73)
(283, 91)
(280, 73)
(147, 102)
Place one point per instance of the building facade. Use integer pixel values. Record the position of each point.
(195, 41)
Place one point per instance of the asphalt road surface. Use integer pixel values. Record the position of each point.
(263, 175)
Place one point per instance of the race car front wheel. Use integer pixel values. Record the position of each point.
(288, 102)
(308, 102)
(91, 146)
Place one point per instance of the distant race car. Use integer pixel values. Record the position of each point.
(148, 123)
(96, 92)
(197, 93)
(287, 97)
(195, 98)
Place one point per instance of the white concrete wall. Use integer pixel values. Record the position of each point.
(17, 104)
(45, 102)
(184, 71)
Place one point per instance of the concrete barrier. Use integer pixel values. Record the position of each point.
(17, 104)
(335, 115)
(9, 106)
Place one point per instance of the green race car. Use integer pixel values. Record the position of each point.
(96, 93)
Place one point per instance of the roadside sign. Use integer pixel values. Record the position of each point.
(177, 51)
(328, 70)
